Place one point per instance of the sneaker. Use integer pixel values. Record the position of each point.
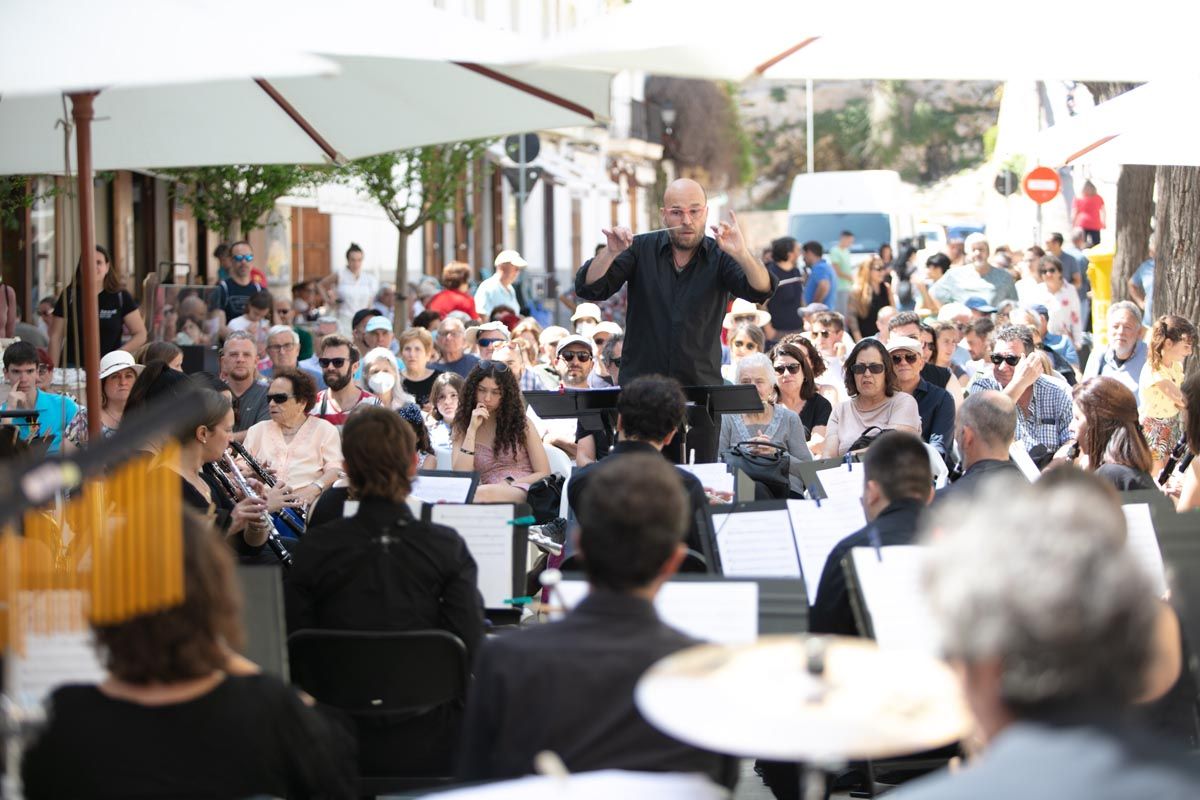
(550, 537)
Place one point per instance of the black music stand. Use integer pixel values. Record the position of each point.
(706, 404)
(600, 404)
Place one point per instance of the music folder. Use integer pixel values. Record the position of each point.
(496, 535)
(445, 486)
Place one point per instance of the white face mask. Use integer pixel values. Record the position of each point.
(382, 382)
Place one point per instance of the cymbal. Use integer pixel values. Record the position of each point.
(762, 700)
(598, 785)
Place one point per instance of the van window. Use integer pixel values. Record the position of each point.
(870, 230)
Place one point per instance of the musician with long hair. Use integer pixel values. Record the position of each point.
(492, 436)
(179, 714)
(1105, 425)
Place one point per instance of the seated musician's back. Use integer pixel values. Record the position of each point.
(568, 686)
(383, 569)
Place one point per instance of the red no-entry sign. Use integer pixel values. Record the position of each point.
(1041, 185)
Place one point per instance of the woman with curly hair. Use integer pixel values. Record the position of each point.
(492, 436)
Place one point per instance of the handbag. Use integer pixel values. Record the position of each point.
(769, 469)
(545, 498)
(864, 441)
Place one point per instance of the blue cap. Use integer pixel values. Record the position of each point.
(979, 304)
(1038, 308)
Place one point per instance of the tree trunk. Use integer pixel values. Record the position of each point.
(1177, 259)
(403, 306)
(1135, 210)
(234, 232)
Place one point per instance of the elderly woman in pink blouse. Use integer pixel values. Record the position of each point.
(304, 451)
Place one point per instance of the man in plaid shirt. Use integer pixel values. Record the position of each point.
(1043, 406)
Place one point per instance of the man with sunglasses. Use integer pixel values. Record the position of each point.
(234, 292)
(907, 325)
(935, 404)
(679, 283)
(1043, 406)
(486, 337)
(339, 361)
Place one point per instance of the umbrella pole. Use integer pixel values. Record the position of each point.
(82, 113)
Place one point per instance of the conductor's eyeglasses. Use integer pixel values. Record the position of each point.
(680, 213)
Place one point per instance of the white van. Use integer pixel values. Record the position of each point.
(874, 205)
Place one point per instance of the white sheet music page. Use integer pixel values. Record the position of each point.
(724, 612)
(441, 489)
(1143, 544)
(891, 588)
(50, 659)
(839, 482)
(716, 477)
(488, 534)
(818, 527)
(757, 544)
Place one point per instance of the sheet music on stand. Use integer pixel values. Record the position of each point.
(489, 533)
(724, 612)
(841, 482)
(756, 543)
(50, 659)
(889, 586)
(1142, 543)
(716, 476)
(818, 525)
(444, 486)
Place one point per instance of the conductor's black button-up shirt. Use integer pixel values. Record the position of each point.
(673, 326)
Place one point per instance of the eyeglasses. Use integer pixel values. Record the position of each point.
(616, 362)
(498, 366)
(823, 334)
(679, 213)
(279, 399)
(1012, 361)
(490, 342)
(336, 363)
(571, 355)
(862, 369)
(244, 259)
(899, 358)
(790, 368)
(1049, 272)
(279, 348)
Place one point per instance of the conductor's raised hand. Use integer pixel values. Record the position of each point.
(729, 236)
(617, 239)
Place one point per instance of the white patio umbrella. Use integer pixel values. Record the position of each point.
(1152, 124)
(403, 76)
(396, 76)
(923, 39)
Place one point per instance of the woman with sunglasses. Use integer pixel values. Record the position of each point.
(746, 339)
(797, 390)
(876, 403)
(305, 451)
(492, 436)
(1061, 299)
(869, 293)
(775, 424)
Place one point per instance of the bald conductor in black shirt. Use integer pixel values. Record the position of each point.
(680, 282)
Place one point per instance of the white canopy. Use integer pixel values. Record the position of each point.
(1152, 124)
(395, 76)
(923, 39)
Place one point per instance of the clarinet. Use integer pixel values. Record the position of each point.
(273, 540)
(1180, 456)
(293, 518)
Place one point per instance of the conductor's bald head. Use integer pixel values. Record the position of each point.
(685, 209)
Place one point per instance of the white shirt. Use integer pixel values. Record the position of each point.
(1063, 306)
(354, 294)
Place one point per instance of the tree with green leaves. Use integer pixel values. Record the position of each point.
(233, 200)
(414, 187)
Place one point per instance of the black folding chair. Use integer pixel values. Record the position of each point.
(405, 692)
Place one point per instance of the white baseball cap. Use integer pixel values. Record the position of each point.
(575, 339)
(895, 343)
(510, 257)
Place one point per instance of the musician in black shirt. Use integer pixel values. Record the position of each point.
(180, 715)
